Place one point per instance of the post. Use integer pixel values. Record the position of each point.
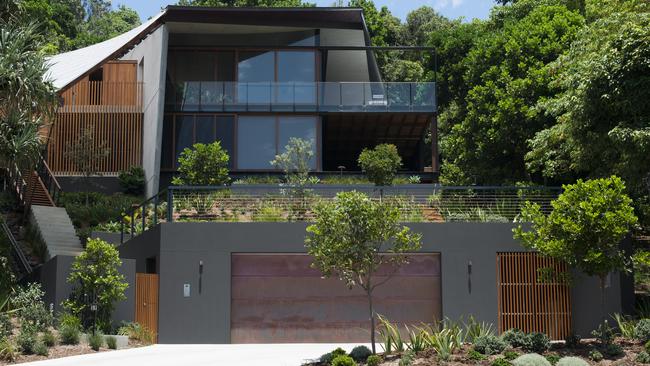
(170, 205)
(122, 230)
(435, 168)
(155, 210)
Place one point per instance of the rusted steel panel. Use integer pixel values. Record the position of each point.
(279, 298)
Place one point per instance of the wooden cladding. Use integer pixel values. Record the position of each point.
(532, 295)
(146, 301)
(102, 96)
(121, 132)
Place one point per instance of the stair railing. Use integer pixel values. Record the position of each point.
(46, 176)
(19, 256)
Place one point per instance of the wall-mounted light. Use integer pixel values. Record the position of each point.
(469, 276)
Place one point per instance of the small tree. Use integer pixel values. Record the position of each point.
(203, 165)
(295, 162)
(85, 154)
(380, 164)
(348, 238)
(98, 285)
(588, 222)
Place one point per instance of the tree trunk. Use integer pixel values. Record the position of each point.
(372, 321)
(602, 297)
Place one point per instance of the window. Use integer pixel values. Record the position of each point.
(296, 74)
(303, 127)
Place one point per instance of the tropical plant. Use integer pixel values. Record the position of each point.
(572, 361)
(95, 273)
(531, 359)
(132, 180)
(348, 238)
(380, 164)
(489, 344)
(203, 165)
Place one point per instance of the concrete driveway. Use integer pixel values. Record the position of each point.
(202, 355)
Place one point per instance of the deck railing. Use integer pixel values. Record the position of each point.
(102, 97)
(277, 203)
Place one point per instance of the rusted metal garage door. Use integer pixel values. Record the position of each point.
(278, 298)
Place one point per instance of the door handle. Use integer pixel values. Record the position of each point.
(144, 304)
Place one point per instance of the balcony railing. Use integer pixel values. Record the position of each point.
(216, 96)
(102, 96)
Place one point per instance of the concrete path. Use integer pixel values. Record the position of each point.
(202, 355)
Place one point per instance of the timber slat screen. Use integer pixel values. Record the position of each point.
(146, 301)
(531, 300)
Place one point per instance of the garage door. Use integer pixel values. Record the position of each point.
(278, 298)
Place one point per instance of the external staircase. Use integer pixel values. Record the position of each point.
(56, 231)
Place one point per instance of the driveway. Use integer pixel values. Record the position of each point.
(202, 355)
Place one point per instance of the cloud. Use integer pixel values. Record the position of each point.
(441, 4)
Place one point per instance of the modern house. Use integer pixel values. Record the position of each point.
(253, 78)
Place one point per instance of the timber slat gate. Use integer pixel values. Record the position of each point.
(146, 301)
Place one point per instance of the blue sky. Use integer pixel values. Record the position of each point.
(451, 8)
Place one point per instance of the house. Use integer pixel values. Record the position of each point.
(253, 78)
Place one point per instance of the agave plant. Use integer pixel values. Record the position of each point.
(475, 329)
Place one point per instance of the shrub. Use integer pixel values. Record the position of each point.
(604, 333)
(28, 302)
(642, 330)
(510, 355)
(269, 213)
(132, 181)
(572, 340)
(489, 344)
(26, 339)
(647, 346)
(552, 358)
(407, 358)
(514, 337)
(474, 355)
(48, 339)
(343, 360)
(500, 362)
(95, 271)
(41, 349)
(531, 359)
(612, 350)
(111, 342)
(69, 329)
(6, 327)
(572, 361)
(8, 350)
(203, 165)
(642, 357)
(329, 357)
(360, 353)
(140, 333)
(595, 356)
(380, 164)
(100, 208)
(537, 342)
(95, 341)
(373, 360)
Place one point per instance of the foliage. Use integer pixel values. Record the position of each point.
(132, 181)
(28, 302)
(474, 355)
(295, 162)
(111, 342)
(269, 213)
(553, 358)
(373, 360)
(360, 353)
(489, 344)
(69, 329)
(343, 360)
(585, 228)
(500, 361)
(41, 349)
(380, 164)
(348, 237)
(531, 359)
(536, 342)
(417, 339)
(27, 339)
(203, 165)
(8, 351)
(595, 355)
(101, 208)
(642, 357)
(510, 355)
(625, 326)
(572, 340)
(642, 330)
(137, 332)
(604, 333)
(96, 340)
(514, 337)
(86, 153)
(390, 336)
(445, 342)
(48, 339)
(571, 361)
(95, 272)
(6, 327)
(407, 358)
(613, 350)
(475, 329)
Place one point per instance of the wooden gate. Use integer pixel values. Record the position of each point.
(533, 294)
(146, 301)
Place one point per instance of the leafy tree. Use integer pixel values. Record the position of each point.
(295, 162)
(380, 164)
(86, 153)
(585, 228)
(203, 165)
(96, 281)
(245, 3)
(347, 240)
(103, 25)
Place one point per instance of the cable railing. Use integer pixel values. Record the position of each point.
(280, 203)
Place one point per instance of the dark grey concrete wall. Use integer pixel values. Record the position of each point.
(205, 317)
(143, 246)
(103, 184)
(53, 277)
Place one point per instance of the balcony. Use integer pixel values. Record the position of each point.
(211, 96)
(102, 97)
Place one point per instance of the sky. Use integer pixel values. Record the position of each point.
(468, 9)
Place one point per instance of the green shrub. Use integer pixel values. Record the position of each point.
(27, 340)
(552, 358)
(8, 351)
(474, 355)
(101, 208)
(612, 350)
(642, 357)
(501, 361)
(360, 353)
(111, 342)
(328, 357)
(647, 347)
(6, 327)
(489, 344)
(132, 180)
(514, 337)
(380, 164)
(407, 359)
(572, 361)
(96, 341)
(373, 360)
(604, 333)
(642, 330)
(595, 356)
(69, 329)
(531, 359)
(537, 342)
(269, 213)
(30, 308)
(343, 360)
(572, 340)
(203, 165)
(41, 349)
(137, 332)
(510, 355)
(48, 339)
